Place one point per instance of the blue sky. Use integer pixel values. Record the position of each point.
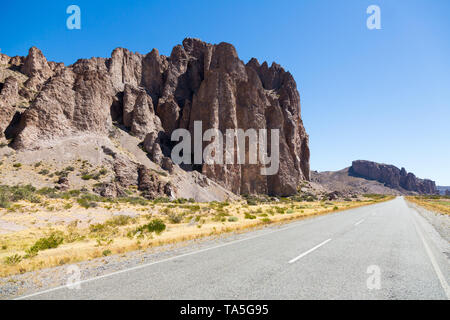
(381, 95)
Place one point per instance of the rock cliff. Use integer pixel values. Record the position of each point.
(149, 96)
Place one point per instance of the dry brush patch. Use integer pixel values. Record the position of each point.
(440, 204)
(73, 232)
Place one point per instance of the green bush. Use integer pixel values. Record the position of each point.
(249, 216)
(17, 193)
(17, 165)
(233, 219)
(52, 241)
(157, 226)
(44, 172)
(266, 220)
(280, 210)
(86, 203)
(87, 176)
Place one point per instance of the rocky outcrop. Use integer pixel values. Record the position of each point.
(152, 95)
(392, 177)
(9, 95)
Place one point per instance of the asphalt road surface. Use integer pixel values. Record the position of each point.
(382, 251)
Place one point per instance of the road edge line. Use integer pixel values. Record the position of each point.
(433, 260)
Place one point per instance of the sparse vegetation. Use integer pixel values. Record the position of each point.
(97, 236)
(438, 203)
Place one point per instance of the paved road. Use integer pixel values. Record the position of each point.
(322, 258)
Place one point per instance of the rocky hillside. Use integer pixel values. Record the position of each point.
(392, 177)
(346, 184)
(371, 177)
(50, 111)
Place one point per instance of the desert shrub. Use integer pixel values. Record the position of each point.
(68, 206)
(44, 172)
(120, 220)
(87, 176)
(183, 200)
(10, 194)
(98, 227)
(106, 253)
(50, 242)
(17, 165)
(157, 226)
(249, 216)
(336, 208)
(161, 200)
(13, 260)
(86, 203)
(266, 220)
(280, 210)
(4, 201)
(374, 196)
(134, 200)
(174, 217)
(192, 208)
(290, 211)
(233, 219)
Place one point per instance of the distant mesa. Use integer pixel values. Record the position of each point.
(444, 190)
(371, 177)
(392, 177)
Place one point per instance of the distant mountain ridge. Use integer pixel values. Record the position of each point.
(371, 177)
(444, 190)
(392, 177)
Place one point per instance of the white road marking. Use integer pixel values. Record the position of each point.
(301, 223)
(309, 251)
(359, 222)
(438, 271)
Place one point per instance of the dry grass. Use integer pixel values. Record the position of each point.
(94, 232)
(440, 204)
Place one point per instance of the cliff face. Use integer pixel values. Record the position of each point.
(151, 95)
(392, 177)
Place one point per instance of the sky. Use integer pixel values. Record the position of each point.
(380, 95)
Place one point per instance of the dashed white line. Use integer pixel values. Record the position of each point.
(295, 225)
(309, 251)
(359, 222)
